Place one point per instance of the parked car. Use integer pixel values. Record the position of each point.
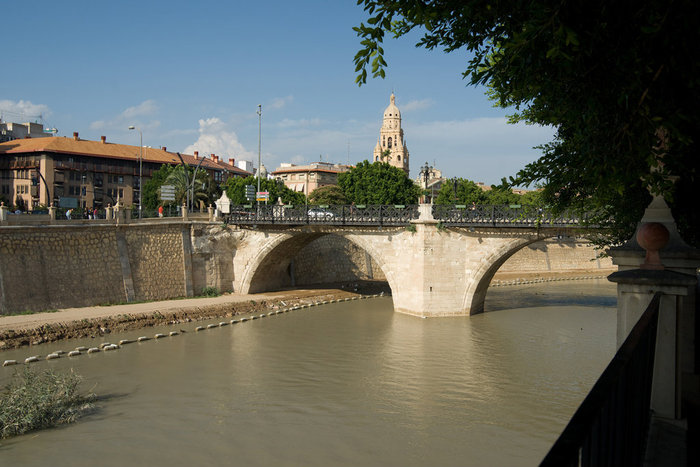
(319, 213)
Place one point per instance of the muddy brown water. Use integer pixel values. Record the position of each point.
(344, 384)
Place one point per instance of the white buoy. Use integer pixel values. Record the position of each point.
(125, 341)
(272, 313)
(174, 333)
(73, 353)
(31, 359)
(59, 352)
(209, 326)
(159, 335)
(81, 348)
(9, 362)
(244, 319)
(199, 328)
(104, 344)
(223, 323)
(111, 347)
(93, 350)
(143, 338)
(52, 356)
(262, 315)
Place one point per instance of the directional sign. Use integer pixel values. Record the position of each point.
(249, 192)
(167, 193)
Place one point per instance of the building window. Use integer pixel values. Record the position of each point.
(389, 142)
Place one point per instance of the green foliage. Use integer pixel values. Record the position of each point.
(462, 192)
(32, 401)
(181, 179)
(151, 189)
(329, 194)
(501, 194)
(378, 183)
(616, 80)
(235, 190)
(210, 291)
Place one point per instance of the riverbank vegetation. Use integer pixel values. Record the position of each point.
(35, 400)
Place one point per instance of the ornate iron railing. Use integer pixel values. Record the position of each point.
(503, 216)
(610, 426)
(397, 215)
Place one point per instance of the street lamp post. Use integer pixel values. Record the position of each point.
(425, 170)
(132, 127)
(259, 152)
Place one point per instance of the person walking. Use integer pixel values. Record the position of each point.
(160, 211)
(68, 213)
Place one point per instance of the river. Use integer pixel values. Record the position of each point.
(344, 384)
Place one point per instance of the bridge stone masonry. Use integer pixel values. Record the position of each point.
(432, 270)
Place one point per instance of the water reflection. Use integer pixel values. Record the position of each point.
(345, 384)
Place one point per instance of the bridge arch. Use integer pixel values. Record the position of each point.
(475, 294)
(269, 268)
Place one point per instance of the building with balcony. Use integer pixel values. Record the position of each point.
(74, 172)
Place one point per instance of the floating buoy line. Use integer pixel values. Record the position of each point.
(107, 346)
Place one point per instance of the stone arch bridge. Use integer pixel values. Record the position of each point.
(432, 270)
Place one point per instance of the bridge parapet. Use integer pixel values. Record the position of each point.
(400, 215)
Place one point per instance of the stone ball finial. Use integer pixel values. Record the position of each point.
(652, 236)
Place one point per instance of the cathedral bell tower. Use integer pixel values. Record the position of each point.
(391, 147)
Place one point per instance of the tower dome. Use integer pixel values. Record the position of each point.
(392, 111)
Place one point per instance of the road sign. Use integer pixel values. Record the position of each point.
(250, 192)
(167, 193)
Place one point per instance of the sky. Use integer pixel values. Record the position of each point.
(190, 76)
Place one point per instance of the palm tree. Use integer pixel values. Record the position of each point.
(182, 180)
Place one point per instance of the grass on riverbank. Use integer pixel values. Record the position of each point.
(36, 400)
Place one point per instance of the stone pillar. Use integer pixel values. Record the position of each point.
(635, 289)
(655, 260)
(109, 212)
(127, 215)
(211, 213)
(52, 214)
(184, 212)
(3, 213)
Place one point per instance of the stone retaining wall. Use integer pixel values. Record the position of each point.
(51, 267)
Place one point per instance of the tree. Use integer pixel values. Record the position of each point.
(460, 191)
(328, 194)
(617, 80)
(378, 183)
(151, 189)
(235, 190)
(181, 179)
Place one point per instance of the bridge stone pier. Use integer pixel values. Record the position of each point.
(432, 271)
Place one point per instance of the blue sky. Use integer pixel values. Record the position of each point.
(191, 75)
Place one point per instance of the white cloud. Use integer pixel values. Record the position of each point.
(216, 138)
(481, 149)
(279, 102)
(147, 107)
(417, 104)
(129, 116)
(22, 110)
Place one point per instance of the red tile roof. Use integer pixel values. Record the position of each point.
(83, 147)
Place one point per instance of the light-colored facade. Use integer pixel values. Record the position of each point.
(10, 131)
(74, 172)
(391, 146)
(306, 178)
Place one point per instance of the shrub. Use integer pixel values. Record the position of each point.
(32, 401)
(210, 291)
